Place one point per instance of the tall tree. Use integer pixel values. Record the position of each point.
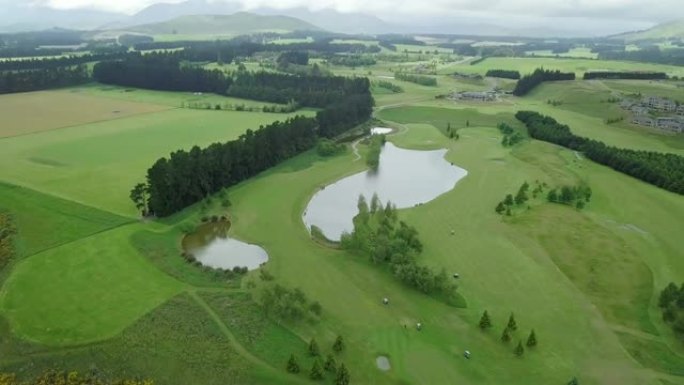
(330, 364)
(512, 325)
(313, 348)
(342, 377)
(316, 371)
(485, 322)
(338, 346)
(519, 349)
(292, 364)
(506, 335)
(532, 339)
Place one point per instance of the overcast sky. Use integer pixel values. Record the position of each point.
(637, 10)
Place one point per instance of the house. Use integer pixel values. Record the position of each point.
(644, 121)
(660, 104)
(670, 123)
(476, 96)
(639, 110)
(626, 104)
(680, 109)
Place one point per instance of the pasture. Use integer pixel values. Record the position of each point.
(95, 288)
(34, 112)
(579, 66)
(98, 163)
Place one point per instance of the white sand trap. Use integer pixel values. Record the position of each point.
(383, 363)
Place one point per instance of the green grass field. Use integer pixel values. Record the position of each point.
(98, 163)
(95, 288)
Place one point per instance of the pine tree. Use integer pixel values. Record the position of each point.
(509, 200)
(532, 339)
(500, 208)
(509, 212)
(338, 346)
(485, 322)
(330, 364)
(342, 376)
(511, 323)
(316, 372)
(574, 381)
(292, 365)
(313, 348)
(519, 350)
(506, 336)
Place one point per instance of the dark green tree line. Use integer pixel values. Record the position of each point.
(529, 82)
(663, 170)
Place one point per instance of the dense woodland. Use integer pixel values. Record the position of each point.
(346, 102)
(662, 170)
(504, 74)
(646, 55)
(671, 301)
(380, 236)
(42, 79)
(539, 76)
(160, 72)
(418, 79)
(625, 75)
(7, 234)
(187, 177)
(68, 378)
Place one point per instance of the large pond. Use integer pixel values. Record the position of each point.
(211, 246)
(405, 177)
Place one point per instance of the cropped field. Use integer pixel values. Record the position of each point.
(33, 112)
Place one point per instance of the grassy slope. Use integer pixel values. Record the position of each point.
(44, 222)
(98, 163)
(673, 29)
(177, 343)
(87, 290)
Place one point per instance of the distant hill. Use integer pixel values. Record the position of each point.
(235, 24)
(673, 29)
(327, 19)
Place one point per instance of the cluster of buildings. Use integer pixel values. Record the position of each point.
(653, 111)
(480, 96)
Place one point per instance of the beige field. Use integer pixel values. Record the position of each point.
(28, 113)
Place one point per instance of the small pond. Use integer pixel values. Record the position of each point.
(212, 247)
(405, 177)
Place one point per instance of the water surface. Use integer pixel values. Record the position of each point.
(405, 177)
(211, 246)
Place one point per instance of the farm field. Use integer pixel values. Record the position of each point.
(97, 163)
(92, 285)
(33, 112)
(580, 66)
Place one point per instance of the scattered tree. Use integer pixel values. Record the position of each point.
(511, 323)
(292, 364)
(506, 335)
(342, 377)
(313, 348)
(485, 322)
(338, 346)
(519, 349)
(532, 339)
(330, 364)
(316, 371)
(500, 208)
